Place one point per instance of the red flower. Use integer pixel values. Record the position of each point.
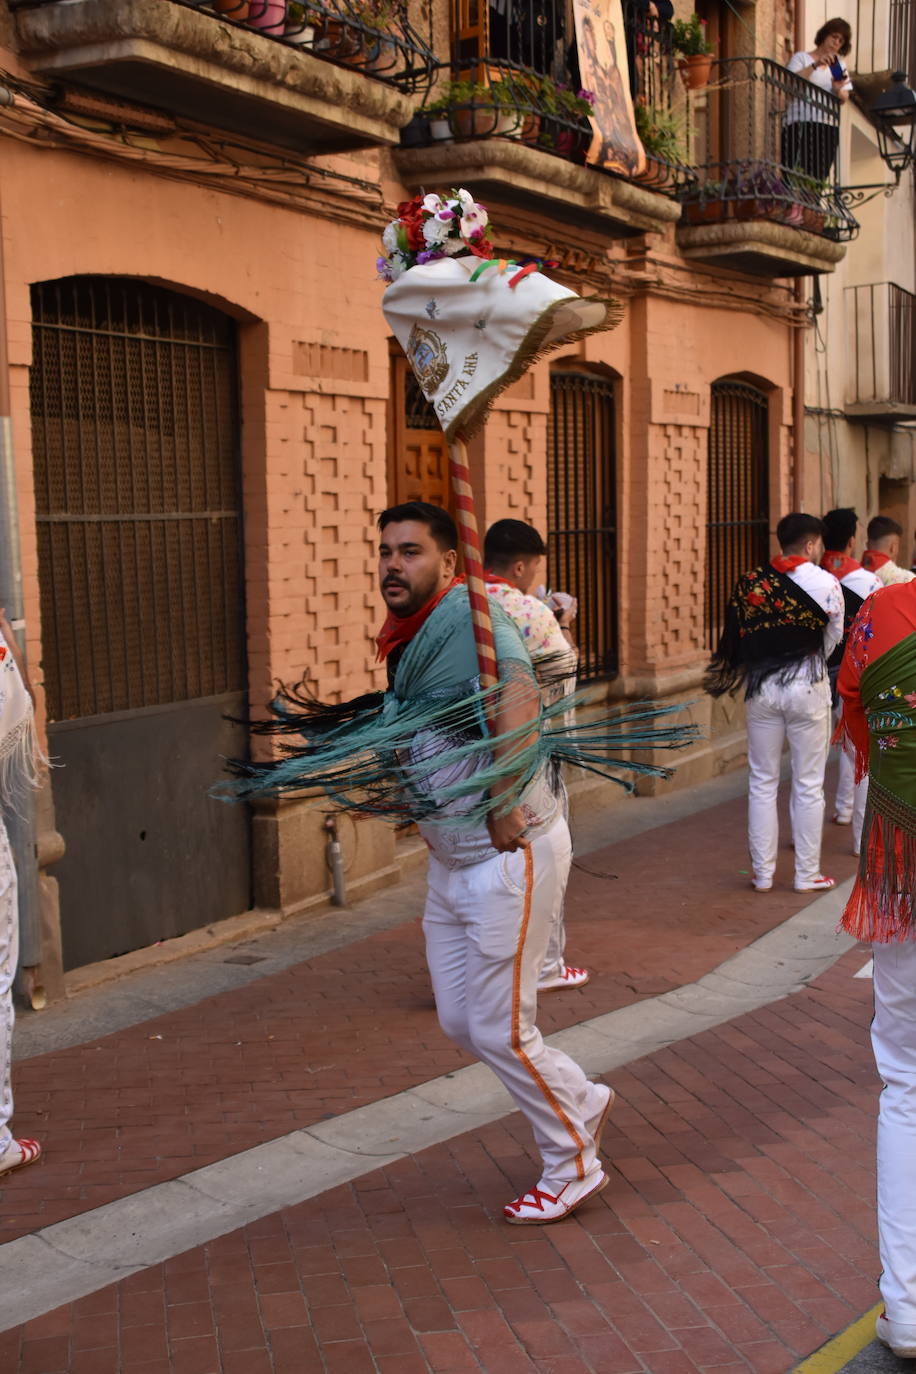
(412, 217)
(755, 599)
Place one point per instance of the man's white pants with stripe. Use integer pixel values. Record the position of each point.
(487, 927)
(893, 1038)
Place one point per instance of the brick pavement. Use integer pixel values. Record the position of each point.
(737, 1234)
(172, 1094)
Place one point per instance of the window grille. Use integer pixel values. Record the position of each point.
(739, 518)
(138, 501)
(581, 512)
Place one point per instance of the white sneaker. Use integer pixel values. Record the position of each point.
(820, 884)
(762, 884)
(568, 977)
(547, 1203)
(901, 1339)
(595, 1124)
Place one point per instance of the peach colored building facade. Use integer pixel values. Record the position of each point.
(289, 261)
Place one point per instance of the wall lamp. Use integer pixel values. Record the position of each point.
(894, 114)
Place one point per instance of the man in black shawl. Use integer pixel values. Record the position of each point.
(782, 623)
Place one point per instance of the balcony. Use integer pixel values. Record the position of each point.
(763, 197)
(513, 121)
(335, 75)
(882, 353)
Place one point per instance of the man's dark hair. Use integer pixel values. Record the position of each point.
(440, 524)
(839, 527)
(507, 540)
(839, 26)
(796, 527)
(881, 527)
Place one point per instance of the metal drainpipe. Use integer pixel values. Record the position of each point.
(21, 825)
(798, 342)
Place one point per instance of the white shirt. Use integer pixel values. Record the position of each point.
(812, 111)
(823, 588)
(890, 573)
(862, 582)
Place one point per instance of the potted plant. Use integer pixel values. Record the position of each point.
(810, 194)
(300, 24)
(704, 202)
(688, 37)
(564, 126)
(473, 110)
(232, 9)
(660, 133)
(761, 193)
(269, 16)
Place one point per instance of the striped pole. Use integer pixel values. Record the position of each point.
(473, 563)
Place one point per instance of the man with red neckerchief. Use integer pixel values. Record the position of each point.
(882, 551)
(782, 623)
(856, 582)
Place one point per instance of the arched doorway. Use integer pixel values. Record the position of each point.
(582, 511)
(135, 437)
(738, 519)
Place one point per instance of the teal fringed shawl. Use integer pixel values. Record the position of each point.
(394, 753)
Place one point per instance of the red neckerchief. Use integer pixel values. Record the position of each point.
(873, 560)
(492, 578)
(840, 564)
(401, 629)
(787, 562)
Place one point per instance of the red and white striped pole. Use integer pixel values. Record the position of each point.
(473, 562)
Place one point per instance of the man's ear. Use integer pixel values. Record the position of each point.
(450, 560)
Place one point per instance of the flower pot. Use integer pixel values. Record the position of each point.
(339, 40)
(416, 134)
(531, 128)
(813, 219)
(383, 55)
(269, 16)
(475, 121)
(303, 35)
(232, 9)
(759, 207)
(510, 124)
(572, 144)
(440, 128)
(695, 70)
(705, 211)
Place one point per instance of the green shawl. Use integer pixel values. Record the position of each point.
(360, 753)
(883, 903)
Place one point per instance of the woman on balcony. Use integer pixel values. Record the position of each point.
(810, 129)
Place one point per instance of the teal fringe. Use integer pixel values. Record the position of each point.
(388, 758)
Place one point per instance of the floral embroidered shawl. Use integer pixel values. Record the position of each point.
(772, 627)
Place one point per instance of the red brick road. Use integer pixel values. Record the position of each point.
(736, 1234)
(170, 1095)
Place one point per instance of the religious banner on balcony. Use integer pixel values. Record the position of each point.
(603, 70)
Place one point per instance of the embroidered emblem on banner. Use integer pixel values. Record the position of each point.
(428, 358)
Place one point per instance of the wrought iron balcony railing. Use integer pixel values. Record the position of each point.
(518, 76)
(882, 350)
(373, 36)
(766, 150)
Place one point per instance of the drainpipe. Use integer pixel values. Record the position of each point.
(21, 824)
(798, 342)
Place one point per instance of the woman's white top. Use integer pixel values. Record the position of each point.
(812, 111)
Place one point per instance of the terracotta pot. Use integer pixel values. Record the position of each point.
(705, 211)
(759, 208)
(232, 9)
(383, 55)
(339, 40)
(531, 128)
(813, 219)
(695, 70)
(477, 121)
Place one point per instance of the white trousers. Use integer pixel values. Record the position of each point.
(893, 1038)
(9, 954)
(800, 713)
(851, 796)
(487, 928)
(555, 958)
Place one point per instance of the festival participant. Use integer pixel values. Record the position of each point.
(513, 554)
(17, 755)
(494, 886)
(878, 685)
(882, 551)
(840, 532)
(783, 621)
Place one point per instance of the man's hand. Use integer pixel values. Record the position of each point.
(507, 832)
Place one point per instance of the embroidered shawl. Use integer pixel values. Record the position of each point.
(771, 628)
(19, 754)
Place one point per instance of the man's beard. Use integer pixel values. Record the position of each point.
(417, 598)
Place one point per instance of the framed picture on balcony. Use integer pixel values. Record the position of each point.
(601, 42)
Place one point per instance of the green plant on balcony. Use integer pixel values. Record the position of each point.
(688, 37)
(705, 202)
(661, 133)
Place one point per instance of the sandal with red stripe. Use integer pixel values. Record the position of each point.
(540, 1206)
(18, 1154)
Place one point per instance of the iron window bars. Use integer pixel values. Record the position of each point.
(373, 36)
(771, 141)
